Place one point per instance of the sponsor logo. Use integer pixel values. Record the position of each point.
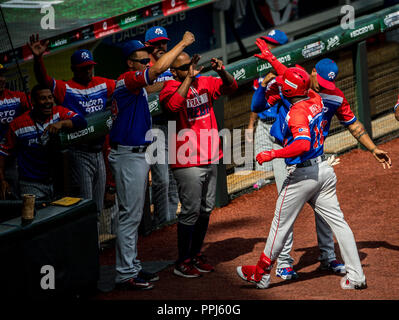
(392, 19)
(153, 105)
(332, 42)
(362, 30)
(239, 74)
(313, 49)
(130, 19)
(109, 122)
(303, 130)
(60, 42)
(80, 133)
(292, 85)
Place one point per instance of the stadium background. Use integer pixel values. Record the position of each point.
(229, 34)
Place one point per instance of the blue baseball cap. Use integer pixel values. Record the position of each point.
(132, 46)
(276, 37)
(156, 33)
(82, 58)
(327, 71)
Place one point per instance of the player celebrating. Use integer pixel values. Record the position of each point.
(310, 179)
(84, 94)
(129, 141)
(322, 81)
(188, 98)
(12, 105)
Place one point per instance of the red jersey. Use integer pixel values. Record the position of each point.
(201, 144)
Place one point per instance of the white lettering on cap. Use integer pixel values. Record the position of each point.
(293, 85)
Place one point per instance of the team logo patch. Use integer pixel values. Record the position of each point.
(158, 31)
(272, 33)
(302, 130)
(292, 85)
(331, 75)
(85, 55)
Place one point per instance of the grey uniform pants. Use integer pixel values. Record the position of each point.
(325, 237)
(263, 141)
(130, 171)
(164, 189)
(88, 176)
(197, 191)
(316, 185)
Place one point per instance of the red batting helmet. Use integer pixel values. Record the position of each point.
(294, 82)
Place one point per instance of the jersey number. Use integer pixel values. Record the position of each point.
(319, 137)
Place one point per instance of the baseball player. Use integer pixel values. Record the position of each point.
(322, 81)
(263, 139)
(188, 99)
(164, 189)
(28, 136)
(84, 94)
(12, 105)
(311, 179)
(129, 141)
(396, 110)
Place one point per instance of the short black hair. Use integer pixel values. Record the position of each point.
(36, 89)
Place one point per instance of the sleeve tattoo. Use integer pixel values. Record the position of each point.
(358, 130)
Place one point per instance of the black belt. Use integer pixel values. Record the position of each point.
(138, 149)
(311, 162)
(268, 120)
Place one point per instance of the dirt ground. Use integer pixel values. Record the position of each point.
(238, 231)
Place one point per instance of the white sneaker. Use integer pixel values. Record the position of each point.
(347, 284)
(264, 282)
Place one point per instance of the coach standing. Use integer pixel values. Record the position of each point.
(131, 123)
(189, 99)
(84, 94)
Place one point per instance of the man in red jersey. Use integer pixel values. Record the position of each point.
(188, 99)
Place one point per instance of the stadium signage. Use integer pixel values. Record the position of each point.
(239, 74)
(263, 66)
(392, 19)
(362, 30)
(313, 49)
(80, 133)
(60, 42)
(332, 42)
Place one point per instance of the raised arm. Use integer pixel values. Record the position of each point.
(166, 60)
(38, 47)
(267, 55)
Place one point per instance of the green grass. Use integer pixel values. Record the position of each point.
(79, 9)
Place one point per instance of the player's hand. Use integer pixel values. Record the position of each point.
(193, 71)
(37, 46)
(53, 128)
(382, 157)
(217, 64)
(4, 189)
(265, 156)
(188, 38)
(265, 54)
(249, 135)
(266, 79)
(332, 161)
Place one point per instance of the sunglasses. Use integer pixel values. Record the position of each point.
(184, 67)
(144, 61)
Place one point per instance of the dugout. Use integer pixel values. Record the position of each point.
(367, 56)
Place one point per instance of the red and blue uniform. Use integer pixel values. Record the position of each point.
(12, 105)
(305, 121)
(25, 138)
(396, 105)
(130, 112)
(83, 99)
